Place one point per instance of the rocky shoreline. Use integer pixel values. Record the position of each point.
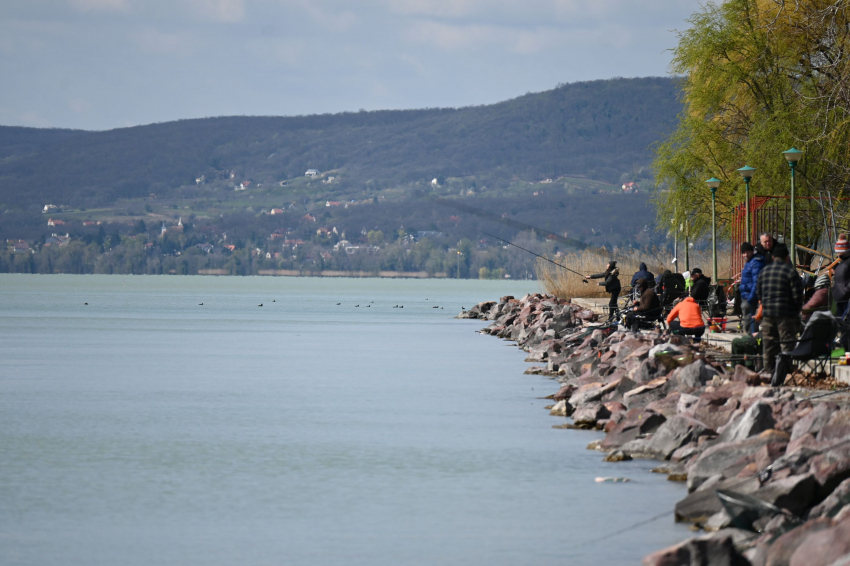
(780, 456)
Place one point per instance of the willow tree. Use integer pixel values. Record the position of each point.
(758, 77)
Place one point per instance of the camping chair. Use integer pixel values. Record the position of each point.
(814, 346)
(649, 320)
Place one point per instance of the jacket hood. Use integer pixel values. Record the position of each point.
(642, 266)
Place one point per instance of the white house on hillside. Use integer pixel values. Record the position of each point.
(312, 173)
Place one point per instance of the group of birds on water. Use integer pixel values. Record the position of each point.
(338, 304)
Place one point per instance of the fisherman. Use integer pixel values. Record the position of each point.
(749, 277)
(645, 274)
(841, 278)
(690, 320)
(819, 301)
(648, 305)
(781, 295)
(699, 285)
(611, 282)
(765, 247)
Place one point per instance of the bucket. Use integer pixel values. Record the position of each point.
(717, 324)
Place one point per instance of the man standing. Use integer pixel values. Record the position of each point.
(765, 247)
(781, 295)
(841, 278)
(611, 282)
(754, 263)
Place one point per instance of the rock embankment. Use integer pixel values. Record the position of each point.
(782, 460)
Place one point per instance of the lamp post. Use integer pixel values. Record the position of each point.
(747, 173)
(458, 263)
(713, 183)
(793, 156)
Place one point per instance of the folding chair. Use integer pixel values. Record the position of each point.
(814, 346)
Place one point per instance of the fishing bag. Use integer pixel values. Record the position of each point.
(716, 301)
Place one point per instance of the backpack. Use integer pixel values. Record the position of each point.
(716, 301)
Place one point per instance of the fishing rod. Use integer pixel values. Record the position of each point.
(536, 255)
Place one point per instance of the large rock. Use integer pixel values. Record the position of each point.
(794, 493)
(673, 434)
(779, 553)
(667, 406)
(701, 504)
(837, 428)
(561, 409)
(758, 418)
(727, 459)
(636, 423)
(645, 394)
(836, 501)
(715, 411)
(693, 376)
(814, 421)
(717, 549)
(589, 415)
(825, 547)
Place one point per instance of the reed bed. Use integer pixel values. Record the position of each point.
(566, 285)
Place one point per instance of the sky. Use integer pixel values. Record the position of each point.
(102, 64)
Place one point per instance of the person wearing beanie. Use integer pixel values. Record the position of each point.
(781, 294)
(648, 305)
(611, 282)
(753, 264)
(819, 300)
(841, 276)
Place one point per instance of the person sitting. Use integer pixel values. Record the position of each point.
(648, 306)
(819, 300)
(699, 286)
(690, 320)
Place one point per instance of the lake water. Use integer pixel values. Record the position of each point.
(145, 429)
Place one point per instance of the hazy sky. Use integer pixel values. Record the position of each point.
(100, 64)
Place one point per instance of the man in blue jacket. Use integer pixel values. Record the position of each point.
(749, 277)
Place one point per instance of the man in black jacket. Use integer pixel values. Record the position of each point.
(611, 282)
(765, 247)
(699, 285)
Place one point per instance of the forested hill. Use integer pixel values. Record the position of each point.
(600, 130)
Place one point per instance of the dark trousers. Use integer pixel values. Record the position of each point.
(612, 305)
(773, 331)
(677, 328)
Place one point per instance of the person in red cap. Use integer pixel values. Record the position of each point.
(841, 279)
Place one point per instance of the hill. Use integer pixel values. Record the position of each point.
(393, 190)
(600, 129)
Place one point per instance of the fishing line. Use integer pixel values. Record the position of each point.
(536, 255)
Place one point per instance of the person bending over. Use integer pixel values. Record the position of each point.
(689, 315)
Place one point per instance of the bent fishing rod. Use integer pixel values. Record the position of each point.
(536, 255)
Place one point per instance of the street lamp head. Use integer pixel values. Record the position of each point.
(713, 183)
(793, 155)
(747, 172)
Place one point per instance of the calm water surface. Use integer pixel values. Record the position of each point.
(145, 429)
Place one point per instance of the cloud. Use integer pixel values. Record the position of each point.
(150, 40)
(450, 37)
(227, 11)
(99, 5)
